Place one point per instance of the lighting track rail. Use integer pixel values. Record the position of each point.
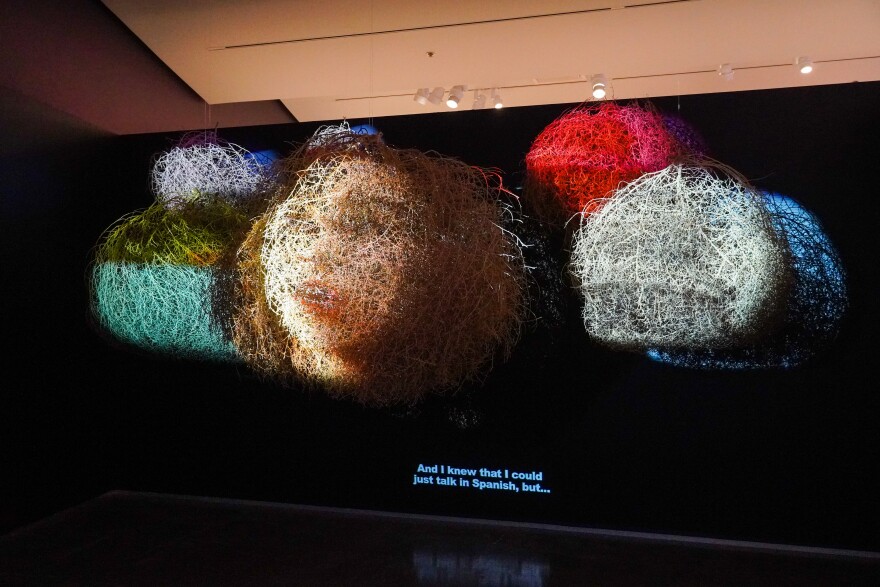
(446, 26)
(587, 82)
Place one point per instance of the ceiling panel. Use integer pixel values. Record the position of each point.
(326, 60)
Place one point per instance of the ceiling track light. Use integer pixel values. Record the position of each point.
(479, 99)
(804, 65)
(725, 70)
(436, 95)
(421, 96)
(600, 83)
(495, 99)
(455, 96)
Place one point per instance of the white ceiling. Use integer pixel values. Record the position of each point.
(333, 59)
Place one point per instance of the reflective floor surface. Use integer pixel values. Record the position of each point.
(147, 539)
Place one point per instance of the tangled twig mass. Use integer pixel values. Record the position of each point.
(378, 274)
(816, 300)
(203, 168)
(679, 258)
(160, 308)
(587, 153)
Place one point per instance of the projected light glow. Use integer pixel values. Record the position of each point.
(376, 273)
(192, 234)
(686, 137)
(387, 271)
(589, 152)
(151, 281)
(265, 157)
(679, 258)
(204, 169)
(365, 129)
(325, 141)
(159, 308)
(816, 302)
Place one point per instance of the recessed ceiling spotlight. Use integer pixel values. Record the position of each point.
(421, 96)
(804, 65)
(495, 99)
(455, 96)
(725, 70)
(599, 86)
(479, 99)
(436, 95)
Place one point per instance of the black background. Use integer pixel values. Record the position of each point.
(624, 443)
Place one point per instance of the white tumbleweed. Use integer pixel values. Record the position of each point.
(209, 170)
(681, 258)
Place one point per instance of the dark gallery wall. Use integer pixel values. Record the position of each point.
(624, 443)
(50, 171)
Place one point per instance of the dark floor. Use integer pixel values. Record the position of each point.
(147, 539)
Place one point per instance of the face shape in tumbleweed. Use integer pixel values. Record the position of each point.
(391, 274)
